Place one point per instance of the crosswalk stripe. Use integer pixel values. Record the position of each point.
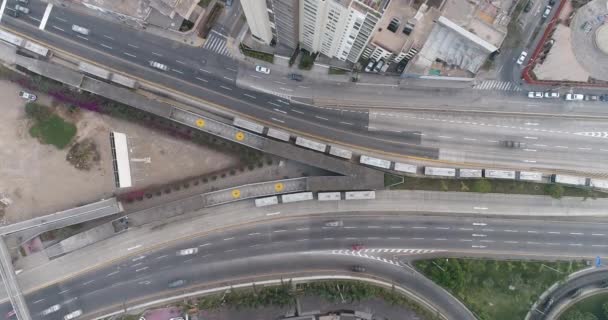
(497, 85)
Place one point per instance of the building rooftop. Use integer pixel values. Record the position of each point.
(398, 12)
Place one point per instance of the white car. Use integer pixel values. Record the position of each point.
(158, 65)
(186, 252)
(27, 96)
(51, 309)
(547, 12)
(73, 315)
(551, 94)
(535, 94)
(262, 69)
(81, 30)
(522, 57)
(574, 97)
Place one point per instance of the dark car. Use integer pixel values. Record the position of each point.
(176, 283)
(512, 144)
(358, 269)
(295, 76)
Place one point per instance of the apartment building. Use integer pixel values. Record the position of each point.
(335, 28)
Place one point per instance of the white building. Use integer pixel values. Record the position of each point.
(256, 13)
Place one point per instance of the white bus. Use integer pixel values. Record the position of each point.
(566, 179)
(278, 134)
(360, 195)
(375, 162)
(251, 126)
(309, 144)
(295, 197)
(499, 174)
(404, 167)
(339, 152)
(530, 176)
(469, 173)
(440, 172)
(267, 201)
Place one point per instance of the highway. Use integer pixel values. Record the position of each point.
(214, 77)
(307, 244)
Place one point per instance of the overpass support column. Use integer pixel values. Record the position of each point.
(10, 281)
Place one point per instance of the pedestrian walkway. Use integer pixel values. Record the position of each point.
(217, 43)
(497, 85)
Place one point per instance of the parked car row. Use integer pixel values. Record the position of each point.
(568, 97)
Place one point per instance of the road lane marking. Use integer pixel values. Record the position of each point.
(279, 110)
(201, 79)
(465, 229)
(61, 19)
(105, 46)
(88, 282)
(532, 231)
(478, 247)
(254, 245)
(302, 240)
(81, 37)
(417, 238)
(35, 19)
(508, 230)
(273, 213)
(351, 238)
(530, 150)
(598, 234)
(531, 138)
(599, 245)
(156, 54)
(180, 62)
(274, 104)
(552, 243)
(297, 111)
(396, 227)
(280, 230)
(133, 248)
(108, 37)
(373, 227)
(250, 96)
(229, 79)
(302, 229)
(490, 241)
(554, 232)
(254, 234)
(283, 102)
(205, 244)
(228, 239)
(303, 87)
(442, 228)
(205, 71)
(256, 76)
(141, 269)
(531, 242)
(161, 257)
(510, 241)
(328, 238)
(479, 224)
(394, 238)
(56, 27)
(575, 244)
(445, 137)
(144, 283)
(279, 82)
(373, 238)
(277, 120)
(178, 71)
(440, 239)
(479, 235)
(529, 161)
(137, 264)
(132, 46)
(233, 70)
(480, 208)
(45, 17)
(419, 227)
(350, 227)
(224, 87)
(285, 89)
(134, 56)
(488, 230)
(38, 301)
(112, 273)
(466, 240)
(561, 147)
(576, 233)
(229, 250)
(138, 258)
(531, 123)
(64, 291)
(346, 123)
(469, 139)
(586, 149)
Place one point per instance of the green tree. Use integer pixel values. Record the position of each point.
(605, 309)
(556, 191)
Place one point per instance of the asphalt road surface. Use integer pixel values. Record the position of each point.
(306, 245)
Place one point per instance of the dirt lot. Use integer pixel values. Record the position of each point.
(38, 180)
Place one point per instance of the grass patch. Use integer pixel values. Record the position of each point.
(392, 179)
(493, 289)
(336, 71)
(257, 54)
(496, 186)
(49, 128)
(596, 305)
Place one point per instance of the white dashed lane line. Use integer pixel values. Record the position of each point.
(61, 19)
(56, 27)
(105, 46)
(131, 55)
(108, 37)
(83, 38)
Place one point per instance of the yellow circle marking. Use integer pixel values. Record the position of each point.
(200, 122)
(278, 187)
(236, 193)
(240, 136)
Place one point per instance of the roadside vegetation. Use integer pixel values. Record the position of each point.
(491, 186)
(256, 54)
(494, 289)
(286, 294)
(48, 127)
(336, 71)
(592, 308)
